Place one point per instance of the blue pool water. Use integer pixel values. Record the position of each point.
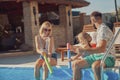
(59, 73)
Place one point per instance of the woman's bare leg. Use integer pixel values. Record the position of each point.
(45, 71)
(77, 66)
(38, 64)
(53, 62)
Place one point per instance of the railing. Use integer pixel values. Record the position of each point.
(107, 52)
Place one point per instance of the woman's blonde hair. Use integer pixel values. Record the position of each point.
(45, 24)
(84, 36)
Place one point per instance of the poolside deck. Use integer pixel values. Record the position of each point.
(28, 59)
(23, 59)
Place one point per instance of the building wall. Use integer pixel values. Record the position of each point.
(59, 36)
(77, 27)
(31, 23)
(78, 23)
(66, 23)
(86, 19)
(106, 17)
(3, 19)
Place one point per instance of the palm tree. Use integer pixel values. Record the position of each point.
(119, 14)
(116, 10)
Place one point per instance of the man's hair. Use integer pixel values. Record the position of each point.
(96, 14)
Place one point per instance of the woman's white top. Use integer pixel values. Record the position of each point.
(47, 42)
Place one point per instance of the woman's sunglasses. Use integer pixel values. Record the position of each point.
(47, 30)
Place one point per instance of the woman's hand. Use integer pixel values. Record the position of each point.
(49, 55)
(43, 54)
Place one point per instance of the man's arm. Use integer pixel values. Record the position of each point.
(101, 47)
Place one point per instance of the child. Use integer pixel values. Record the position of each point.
(84, 40)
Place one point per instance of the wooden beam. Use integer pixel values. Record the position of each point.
(73, 3)
(80, 3)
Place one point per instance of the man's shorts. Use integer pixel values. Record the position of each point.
(110, 61)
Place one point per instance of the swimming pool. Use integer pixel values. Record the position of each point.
(59, 73)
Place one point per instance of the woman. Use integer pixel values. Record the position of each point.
(44, 44)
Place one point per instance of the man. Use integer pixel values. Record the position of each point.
(104, 35)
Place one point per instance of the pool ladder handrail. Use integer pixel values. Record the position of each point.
(107, 53)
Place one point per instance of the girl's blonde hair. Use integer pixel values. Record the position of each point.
(45, 24)
(84, 37)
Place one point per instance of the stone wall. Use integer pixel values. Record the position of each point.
(30, 27)
(59, 35)
(79, 22)
(76, 25)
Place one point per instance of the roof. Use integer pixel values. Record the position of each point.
(15, 6)
(73, 3)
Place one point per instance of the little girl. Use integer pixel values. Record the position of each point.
(84, 40)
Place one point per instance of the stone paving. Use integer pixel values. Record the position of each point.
(28, 59)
